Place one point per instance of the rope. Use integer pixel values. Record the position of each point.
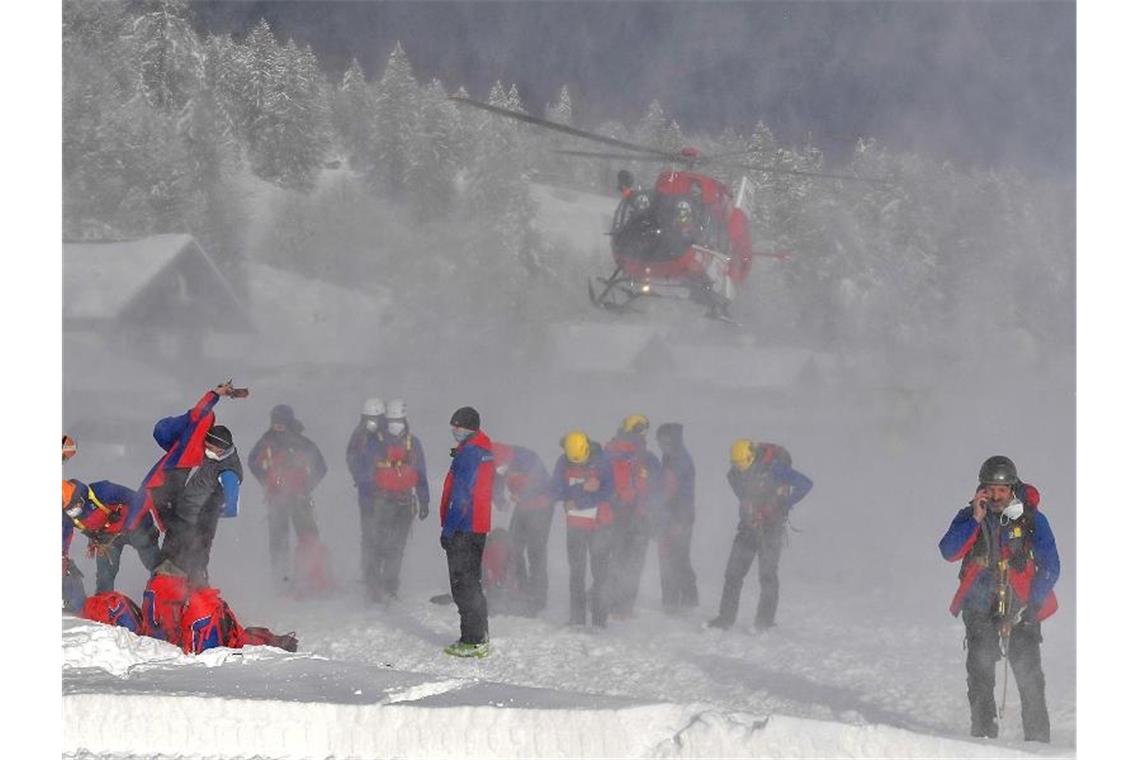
(1004, 686)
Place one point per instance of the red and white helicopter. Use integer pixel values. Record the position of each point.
(688, 236)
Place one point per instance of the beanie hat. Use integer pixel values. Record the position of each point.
(466, 418)
(283, 414)
(220, 437)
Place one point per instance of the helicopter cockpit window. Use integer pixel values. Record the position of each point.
(635, 204)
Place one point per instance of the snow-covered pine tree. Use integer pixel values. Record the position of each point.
(394, 122)
(434, 159)
(301, 119)
(166, 53)
(353, 108)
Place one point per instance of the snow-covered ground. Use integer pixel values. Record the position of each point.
(373, 683)
(865, 661)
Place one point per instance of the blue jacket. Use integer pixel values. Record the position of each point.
(111, 495)
(990, 541)
(181, 437)
(467, 490)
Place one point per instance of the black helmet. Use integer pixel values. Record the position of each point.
(625, 179)
(998, 470)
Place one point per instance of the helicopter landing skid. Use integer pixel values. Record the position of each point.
(617, 292)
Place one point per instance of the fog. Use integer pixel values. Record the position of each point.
(909, 385)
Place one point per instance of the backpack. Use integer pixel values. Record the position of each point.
(208, 622)
(114, 608)
(163, 600)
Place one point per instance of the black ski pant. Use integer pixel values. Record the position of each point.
(678, 580)
(282, 510)
(982, 655)
(391, 522)
(595, 544)
(465, 572)
(144, 539)
(529, 533)
(187, 545)
(630, 543)
(765, 545)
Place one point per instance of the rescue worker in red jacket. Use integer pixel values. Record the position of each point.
(1009, 566)
(521, 481)
(288, 465)
(767, 487)
(400, 493)
(583, 481)
(182, 437)
(637, 472)
(465, 521)
(210, 492)
(99, 511)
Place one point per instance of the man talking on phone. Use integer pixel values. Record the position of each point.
(1009, 566)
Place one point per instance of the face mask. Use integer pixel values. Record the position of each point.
(371, 425)
(1013, 510)
(211, 454)
(460, 434)
(396, 428)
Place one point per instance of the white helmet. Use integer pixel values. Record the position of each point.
(373, 407)
(397, 409)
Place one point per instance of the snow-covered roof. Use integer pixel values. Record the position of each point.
(103, 281)
(99, 279)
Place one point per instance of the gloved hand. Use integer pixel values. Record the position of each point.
(423, 510)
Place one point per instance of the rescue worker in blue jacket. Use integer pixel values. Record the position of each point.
(99, 511)
(762, 478)
(182, 438)
(465, 521)
(1009, 567)
(400, 493)
(583, 481)
(211, 491)
(678, 513)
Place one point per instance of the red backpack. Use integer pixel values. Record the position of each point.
(163, 600)
(114, 608)
(208, 622)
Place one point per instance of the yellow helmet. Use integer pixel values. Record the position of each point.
(742, 454)
(577, 446)
(635, 423)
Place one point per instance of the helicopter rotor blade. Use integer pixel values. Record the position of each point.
(798, 172)
(602, 155)
(527, 118)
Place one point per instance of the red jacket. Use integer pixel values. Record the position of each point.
(466, 503)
